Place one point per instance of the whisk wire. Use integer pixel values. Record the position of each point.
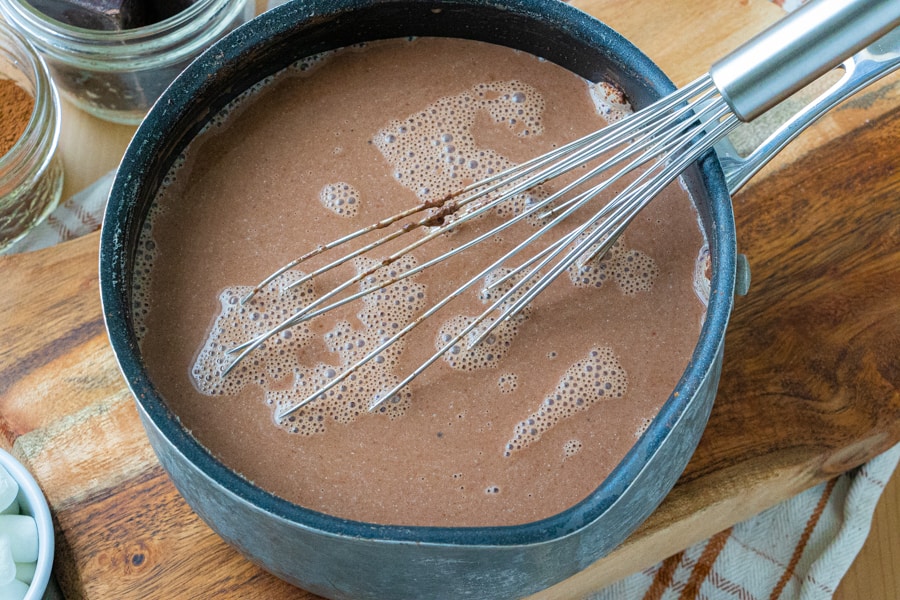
(627, 208)
(284, 412)
(651, 147)
(308, 312)
(619, 213)
(667, 134)
(635, 198)
(615, 133)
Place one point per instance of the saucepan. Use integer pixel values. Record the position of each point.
(338, 558)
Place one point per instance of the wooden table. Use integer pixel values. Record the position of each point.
(809, 386)
(874, 574)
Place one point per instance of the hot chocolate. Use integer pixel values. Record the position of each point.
(514, 429)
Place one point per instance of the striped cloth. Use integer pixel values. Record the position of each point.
(79, 215)
(799, 549)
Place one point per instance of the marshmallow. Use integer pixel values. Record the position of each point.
(14, 590)
(9, 489)
(21, 531)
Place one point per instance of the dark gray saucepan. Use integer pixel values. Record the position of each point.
(338, 558)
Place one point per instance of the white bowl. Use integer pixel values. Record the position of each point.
(33, 503)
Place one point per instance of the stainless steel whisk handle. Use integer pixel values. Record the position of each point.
(860, 70)
(798, 49)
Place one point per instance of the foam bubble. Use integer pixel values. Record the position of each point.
(308, 64)
(147, 251)
(645, 424)
(633, 270)
(465, 354)
(597, 377)
(507, 383)
(433, 152)
(571, 448)
(145, 256)
(237, 323)
(382, 313)
(341, 198)
(609, 101)
(702, 273)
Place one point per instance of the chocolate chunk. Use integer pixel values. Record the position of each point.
(107, 15)
(163, 9)
(110, 15)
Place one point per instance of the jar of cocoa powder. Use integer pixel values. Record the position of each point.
(117, 71)
(31, 174)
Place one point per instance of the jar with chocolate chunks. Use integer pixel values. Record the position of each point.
(113, 58)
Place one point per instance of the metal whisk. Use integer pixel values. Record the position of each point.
(652, 147)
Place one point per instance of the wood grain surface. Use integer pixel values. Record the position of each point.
(874, 574)
(809, 386)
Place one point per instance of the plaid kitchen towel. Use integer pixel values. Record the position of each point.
(799, 549)
(79, 215)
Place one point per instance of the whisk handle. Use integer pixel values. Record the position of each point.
(860, 70)
(798, 49)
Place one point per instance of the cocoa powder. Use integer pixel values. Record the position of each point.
(16, 106)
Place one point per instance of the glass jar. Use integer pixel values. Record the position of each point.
(118, 75)
(31, 174)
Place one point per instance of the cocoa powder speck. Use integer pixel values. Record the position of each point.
(16, 106)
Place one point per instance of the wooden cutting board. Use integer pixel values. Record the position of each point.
(809, 386)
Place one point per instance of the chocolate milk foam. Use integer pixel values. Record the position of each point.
(515, 429)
